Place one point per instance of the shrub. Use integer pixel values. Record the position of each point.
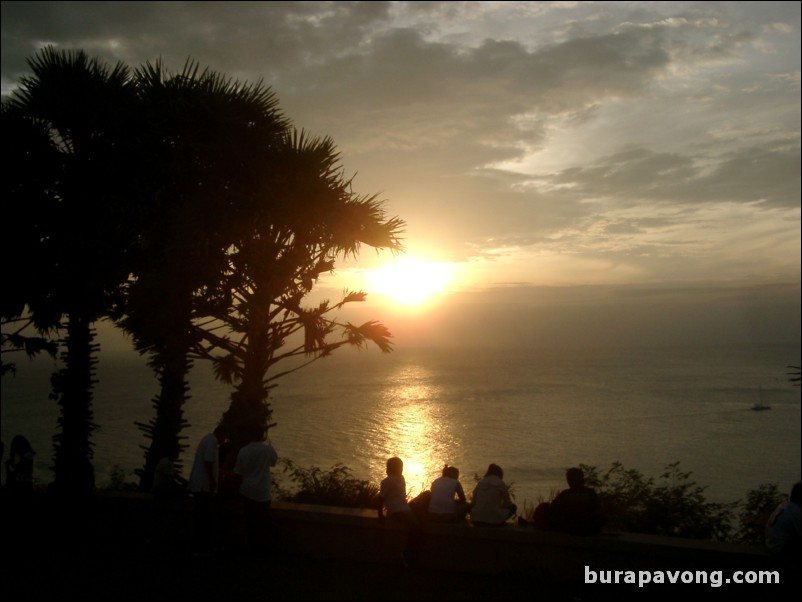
(672, 505)
(755, 511)
(528, 511)
(117, 480)
(333, 488)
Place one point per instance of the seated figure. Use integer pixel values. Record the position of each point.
(784, 527)
(448, 502)
(492, 503)
(576, 510)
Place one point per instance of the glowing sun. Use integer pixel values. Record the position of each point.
(410, 281)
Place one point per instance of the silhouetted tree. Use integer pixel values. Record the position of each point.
(30, 170)
(16, 341)
(205, 137)
(303, 217)
(184, 207)
(71, 175)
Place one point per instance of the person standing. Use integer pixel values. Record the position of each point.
(492, 504)
(253, 465)
(203, 484)
(169, 489)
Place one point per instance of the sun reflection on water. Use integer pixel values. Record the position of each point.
(413, 426)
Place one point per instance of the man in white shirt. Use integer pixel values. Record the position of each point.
(253, 465)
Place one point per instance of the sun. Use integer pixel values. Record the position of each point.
(410, 282)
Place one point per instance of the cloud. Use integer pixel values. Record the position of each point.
(623, 140)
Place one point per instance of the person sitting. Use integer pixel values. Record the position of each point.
(576, 510)
(492, 504)
(784, 527)
(393, 497)
(448, 502)
(19, 467)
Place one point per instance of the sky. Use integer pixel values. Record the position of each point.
(570, 173)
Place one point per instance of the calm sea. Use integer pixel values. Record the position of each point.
(533, 412)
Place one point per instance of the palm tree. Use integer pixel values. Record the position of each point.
(29, 176)
(302, 218)
(205, 136)
(77, 237)
(229, 219)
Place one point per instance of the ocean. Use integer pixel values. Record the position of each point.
(533, 412)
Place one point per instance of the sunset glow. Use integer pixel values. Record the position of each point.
(526, 235)
(410, 282)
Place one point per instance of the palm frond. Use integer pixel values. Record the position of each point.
(372, 331)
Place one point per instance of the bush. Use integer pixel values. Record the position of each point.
(333, 488)
(117, 480)
(755, 511)
(528, 511)
(672, 505)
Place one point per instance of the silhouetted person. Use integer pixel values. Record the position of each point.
(393, 495)
(576, 510)
(253, 465)
(448, 502)
(228, 482)
(203, 485)
(19, 466)
(393, 498)
(784, 527)
(168, 489)
(167, 483)
(491, 503)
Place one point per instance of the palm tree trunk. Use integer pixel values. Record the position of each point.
(249, 408)
(164, 429)
(73, 389)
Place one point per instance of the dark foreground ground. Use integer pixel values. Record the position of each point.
(71, 563)
(55, 552)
